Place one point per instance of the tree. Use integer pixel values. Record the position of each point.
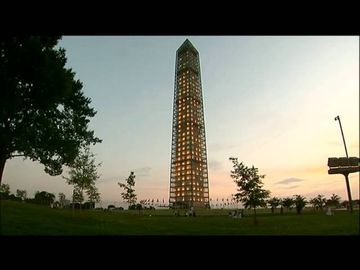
(78, 196)
(320, 201)
(300, 203)
(93, 195)
(83, 175)
(143, 204)
(44, 197)
(249, 183)
(334, 201)
(274, 202)
(313, 202)
(345, 204)
(62, 199)
(4, 191)
(129, 192)
(21, 194)
(44, 114)
(288, 203)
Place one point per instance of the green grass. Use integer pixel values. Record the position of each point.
(28, 219)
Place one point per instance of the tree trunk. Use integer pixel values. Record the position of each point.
(255, 220)
(2, 166)
(81, 198)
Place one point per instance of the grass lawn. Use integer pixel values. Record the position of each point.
(28, 219)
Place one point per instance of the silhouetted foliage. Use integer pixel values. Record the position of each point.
(4, 191)
(78, 196)
(21, 194)
(44, 197)
(345, 203)
(249, 183)
(288, 203)
(274, 202)
(320, 201)
(300, 203)
(137, 206)
(44, 114)
(12, 197)
(75, 205)
(88, 205)
(93, 194)
(334, 201)
(62, 199)
(129, 192)
(313, 202)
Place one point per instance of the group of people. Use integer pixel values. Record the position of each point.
(189, 213)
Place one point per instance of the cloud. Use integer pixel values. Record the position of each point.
(215, 165)
(108, 179)
(291, 187)
(144, 171)
(288, 181)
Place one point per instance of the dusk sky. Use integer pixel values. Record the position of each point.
(270, 101)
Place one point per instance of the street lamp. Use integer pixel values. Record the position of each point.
(346, 174)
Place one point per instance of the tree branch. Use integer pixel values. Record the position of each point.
(17, 155)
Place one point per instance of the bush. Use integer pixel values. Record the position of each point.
(111, 206)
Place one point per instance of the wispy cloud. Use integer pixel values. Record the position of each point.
(215, 165)
(109, 179)
(143, 171)
(288, 181)
(291, 187)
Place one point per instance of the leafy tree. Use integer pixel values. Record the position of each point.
(345, 203)
(111, 206)
(129, 192)
(143, 204)
(274, 202)
(334, 201)
(93, 194)
(313, 202)
(44, 197)
(320, 201)
(356, 202)
(288, 203)
(21, 194)
(137, 206)
(83, 175)
(44, 114)
(249, 183)
(78, 196)
(300, 203)
(62, 199)
(4, 191)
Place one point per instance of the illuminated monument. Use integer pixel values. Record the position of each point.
(189, 185)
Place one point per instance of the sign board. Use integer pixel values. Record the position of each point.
(343, 165)
(343, 162)
(342, 170)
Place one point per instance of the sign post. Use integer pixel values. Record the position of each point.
(344, 166)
